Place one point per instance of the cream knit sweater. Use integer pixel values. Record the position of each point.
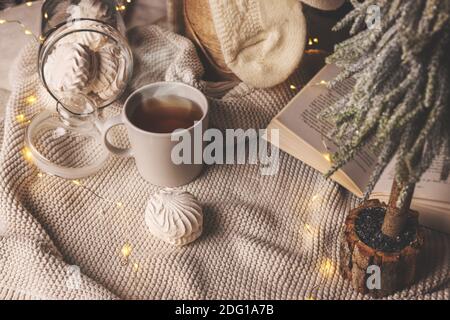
(265, 237)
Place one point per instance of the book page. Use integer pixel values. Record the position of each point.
(301, 117)
(430, 187)
(431, 197)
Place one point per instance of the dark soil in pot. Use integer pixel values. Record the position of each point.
(368, 228)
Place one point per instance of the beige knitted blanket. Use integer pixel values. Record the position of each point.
(265, 237)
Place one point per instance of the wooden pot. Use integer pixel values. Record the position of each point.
(398, 270)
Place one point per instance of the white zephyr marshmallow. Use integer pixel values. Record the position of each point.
(175, 217)
(70, 67)
(90, 9)
(110, 79)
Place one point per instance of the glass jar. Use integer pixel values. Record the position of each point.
(67, 143)
(84, 50)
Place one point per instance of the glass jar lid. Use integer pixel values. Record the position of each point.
(67, 143)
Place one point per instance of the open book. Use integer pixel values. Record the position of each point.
(306, 137)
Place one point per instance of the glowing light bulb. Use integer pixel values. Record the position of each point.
(31, 99)
(28, 32)
(327, 268)
(2, 21)
(126, 250)
(20, 118)
(28, 156)
(327, 157)
(29, 3)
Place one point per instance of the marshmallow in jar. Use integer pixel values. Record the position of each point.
(84, 50)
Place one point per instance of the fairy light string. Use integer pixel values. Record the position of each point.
(25, 29)
(122, 6)
(22, 119)
(310, 50)
(326, 267)
(126, 249)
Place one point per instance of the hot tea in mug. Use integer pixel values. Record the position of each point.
(153, 116)
(164, 114)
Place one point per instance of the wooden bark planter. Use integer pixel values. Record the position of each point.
(398, 270)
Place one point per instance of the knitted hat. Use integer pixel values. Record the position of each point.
(263, 41)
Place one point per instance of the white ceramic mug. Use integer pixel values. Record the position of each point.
(152, 151)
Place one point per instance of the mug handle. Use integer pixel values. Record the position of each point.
(106, 127)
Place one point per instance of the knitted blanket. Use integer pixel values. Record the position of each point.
(265, 237)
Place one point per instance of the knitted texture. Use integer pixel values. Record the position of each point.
(265, 237)
(4, 95)
(262, 41)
